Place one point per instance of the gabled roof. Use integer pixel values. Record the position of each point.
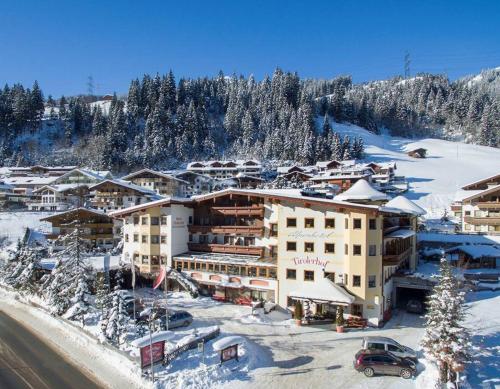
(130, 176)
(477, 250)
(156, 203)
(361, 190)
(483, 192)
(74, 211)
(60, 187)
(125, 184)
(96, 175)
(483, 180)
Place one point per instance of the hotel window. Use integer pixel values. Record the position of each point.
(330, 223)
(243, 271)
(145, 259)
(197, 265)
(144, 239)
(372, 250)
(155, 220)
(329, 275)
(291, 222)
(346, 224)
(346, 279)
(126, 237)
(190, 237)
(136, 258)
(291, 274)
(357, 224)
(467, 213)
(136, 219)
(144, 220)
(291, 246)
(356, 249)
(203, 266)
(308, 275)
(272, 272)
(203, 239)
(372, 280)
(163, 220)
(308, 223)
(190, 220)
(356, 280)
(308, 247)
(136, 238)
(163, 239)
(273, 229)
(372, 224)
(155, 260)
(346, 249)
(329, 248)
(210, 267)
(155, 239)
(216, 268)
(191, 265)
(262, 272)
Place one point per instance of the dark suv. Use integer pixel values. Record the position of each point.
(373, 362)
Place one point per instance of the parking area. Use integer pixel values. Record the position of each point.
(300, 357)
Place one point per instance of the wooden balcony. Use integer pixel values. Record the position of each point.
(488, 205)
(481, 221)
(395, 259)
(225, 248)
(255, 210)
(456, 208)
(243, 230)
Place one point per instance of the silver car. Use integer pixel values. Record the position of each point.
(381, 343)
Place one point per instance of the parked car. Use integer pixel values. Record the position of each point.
(380, 343)
(175, 318)
(372, 362)
(415, 306)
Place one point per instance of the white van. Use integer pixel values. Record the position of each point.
(381, 343)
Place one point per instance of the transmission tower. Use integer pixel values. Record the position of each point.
(90, 85)
(407, 65)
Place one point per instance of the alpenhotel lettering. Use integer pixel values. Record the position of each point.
(310, 261)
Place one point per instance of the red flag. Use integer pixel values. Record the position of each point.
(160, 278)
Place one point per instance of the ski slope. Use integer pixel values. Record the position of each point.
(434, 180)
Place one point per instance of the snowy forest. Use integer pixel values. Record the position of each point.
(162, 122)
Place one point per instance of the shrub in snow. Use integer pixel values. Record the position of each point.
(446, 340)
(298, 313)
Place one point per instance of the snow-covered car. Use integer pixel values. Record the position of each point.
(381, 343)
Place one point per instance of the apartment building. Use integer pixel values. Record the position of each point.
(57, 197)
(162, 183)
(278, 245)
(477, 206)
(226, 169)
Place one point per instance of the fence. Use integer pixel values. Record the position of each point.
(170, 356)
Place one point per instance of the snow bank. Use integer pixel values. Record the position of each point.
(228, 341)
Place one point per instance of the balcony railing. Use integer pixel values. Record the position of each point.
(225, 248)
(487, 220)
(253, 230)
(396, 258)
(256, 210)
(488, 205)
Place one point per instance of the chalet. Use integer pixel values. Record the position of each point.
(328, 165)
(294, 177)
(83, 177)
(39, 170)
(25, 185)
(97, 229)
(417, 153)
(474, 256)
(480, 211)
(484, 183)
(111, 195)
(58, 197)
(344, 177)
(162, 183)
(226, 169)
(196, 183)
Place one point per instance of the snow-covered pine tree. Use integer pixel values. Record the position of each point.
(67, 287)
(446, 339)
(114, 325)
(102, 299)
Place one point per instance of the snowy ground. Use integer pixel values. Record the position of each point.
(435, 179)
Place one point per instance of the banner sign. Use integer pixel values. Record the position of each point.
(229, 353)
(160, 278)
(158, 351)
(310, 261)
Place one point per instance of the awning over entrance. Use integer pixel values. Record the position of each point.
(323, 291)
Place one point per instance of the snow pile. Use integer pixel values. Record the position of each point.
(363, 191)
(403, 204)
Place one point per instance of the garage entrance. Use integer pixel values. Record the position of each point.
(410, 288)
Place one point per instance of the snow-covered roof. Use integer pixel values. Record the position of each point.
(361, 190)
(492, 189)
(477, 250)
(458, 238)
(129, 185)
(155, 337)
(227, 341)
(401, 233)
(5, 186)
(29, 180)
(405, 205)
(323, 290)
(162, 201)
(59, 187)
(128, 177)
(495, 176)
(463, 194)
(224, 164)
(75, 210)
(235, 259)
(94, 174)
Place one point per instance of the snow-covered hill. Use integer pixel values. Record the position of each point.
(434, 180)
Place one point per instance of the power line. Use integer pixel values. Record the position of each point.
(407, 65)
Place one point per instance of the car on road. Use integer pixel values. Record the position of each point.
(381, 343)
(415, 306)
(372, 362)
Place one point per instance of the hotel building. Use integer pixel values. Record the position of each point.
(277, 245)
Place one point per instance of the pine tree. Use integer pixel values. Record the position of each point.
(446, 340)
(114, 326)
